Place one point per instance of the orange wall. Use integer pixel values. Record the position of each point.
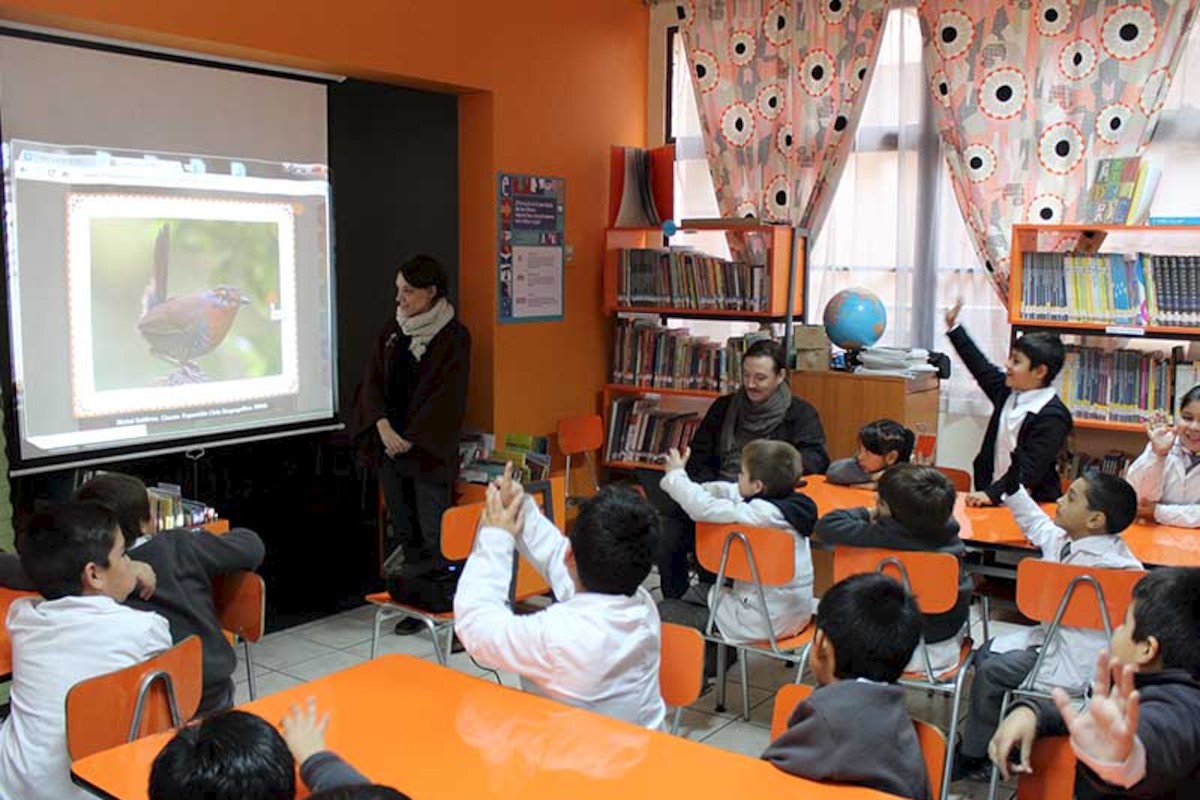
(545, 87)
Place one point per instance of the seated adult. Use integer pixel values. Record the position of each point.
(763, 408)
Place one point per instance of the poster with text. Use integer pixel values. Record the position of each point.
(530, 247)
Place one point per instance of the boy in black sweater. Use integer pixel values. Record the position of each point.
(914, 511)
(854, 728)
(1142, 743)
(1029, 423)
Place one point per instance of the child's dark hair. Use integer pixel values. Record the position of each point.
(767, 348)
(918, 496)
(423, 272)
(59, 543)
(232, 755)
(125, 495)
(1166, 605)
(1113, 497)
(365, 791)
(777, 464)
(874, 625)
(885, 436)
(613, 541)
(1192, 396)
(1041, 348)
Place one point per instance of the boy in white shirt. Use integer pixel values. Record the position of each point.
(75, 556)
(1085, 531)
(598, 646)
(1165, 475)
(764, 495)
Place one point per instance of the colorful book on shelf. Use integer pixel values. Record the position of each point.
(649, 354)
(1122, 386)
(687, 280)
(640, 431)
(1143, 193)
(641, 186)
(1111, 193)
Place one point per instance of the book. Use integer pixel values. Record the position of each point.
(647, 353)
(1174, 220)
(1121, 386)
(640, 431)
(1143, 193)
(656, 277)
(1111, 193)
(641, 186)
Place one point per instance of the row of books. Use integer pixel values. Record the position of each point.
(646, 353)
(639, 430)
(1111, 463)
(480, 461)
(1116, 386)
(686, 279)
(1111, 289)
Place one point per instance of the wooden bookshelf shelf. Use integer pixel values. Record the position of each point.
(1105, 329)
(699, 313)
(630, 388)
(1107, 425)
(630, 466)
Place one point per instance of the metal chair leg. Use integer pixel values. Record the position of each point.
(379, 612)
(720, 706)
(994, 780)
(678, 717)
(441, 654)
(986, 610)
(743, 662)
(251, 681)
(952, 732)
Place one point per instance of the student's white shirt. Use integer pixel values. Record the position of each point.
(1167, 481)
(590, 650)
(739, 615)
(1070, 659)
(1017, 407)
(56, 644)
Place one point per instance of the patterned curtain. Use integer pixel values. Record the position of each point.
(780, 88)
(1031, 94)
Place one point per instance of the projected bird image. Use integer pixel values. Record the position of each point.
(184, 301)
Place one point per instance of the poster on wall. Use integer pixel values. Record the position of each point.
(531, 247)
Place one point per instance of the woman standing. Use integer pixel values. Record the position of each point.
(763, 408)
(409, 411)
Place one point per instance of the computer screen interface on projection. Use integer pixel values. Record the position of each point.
(155, 296)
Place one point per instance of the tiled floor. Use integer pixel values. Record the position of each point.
(305, 652)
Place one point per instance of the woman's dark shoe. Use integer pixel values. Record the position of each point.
(410, 625)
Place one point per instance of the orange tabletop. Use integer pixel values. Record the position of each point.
(994, 526)
(7, 596)
(432, 732)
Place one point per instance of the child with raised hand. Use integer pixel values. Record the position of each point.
(1165, 475)
(1029, 423)
(75, 557)
(1085, 531)
(914, 510)
(598, 646)
(764, 495)
(1139, 735)
(881, 444)
(854, 728)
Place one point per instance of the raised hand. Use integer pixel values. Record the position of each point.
(507, 485)
(505, 516)
(304, 730)
(1160, 434)
(952, 313)
(677, 460)
(1106, 729)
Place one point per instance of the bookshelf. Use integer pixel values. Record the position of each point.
(663, 380)
(1076, 296)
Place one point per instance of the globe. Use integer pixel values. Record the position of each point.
(854, 319)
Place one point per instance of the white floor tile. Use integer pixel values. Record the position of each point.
(697, 725)
(323, 665)
(740, 737)
(281, 650)
(267, 684)
(340, 632)
(733, 700)
(417, 645)
(768, 673)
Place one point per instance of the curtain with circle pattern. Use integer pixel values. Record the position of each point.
(1031, 94)
(780, 88)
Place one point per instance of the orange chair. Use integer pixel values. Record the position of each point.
(581, 436)
(959, 477)
(241, 602)
(681, 668)
(1053, 765)
(459, 524)
(932, 578)
(153, 696)
(1051, 592)
(930, 739)
(762, 557)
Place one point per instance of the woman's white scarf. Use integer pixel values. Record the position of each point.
(420, 328)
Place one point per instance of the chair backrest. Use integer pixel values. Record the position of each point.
(1053, 765)
(959, 477)
(787, 698)
(933, 750)
(102, 712)
(580, 434)
(241, 602)
(932, 577)
(459, 524)
(681, 666)
(1041, 586)
(774, 552)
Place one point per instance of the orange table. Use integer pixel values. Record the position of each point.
(433, 733)
(7, 597)
(993, 527)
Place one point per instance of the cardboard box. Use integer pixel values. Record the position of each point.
(812, 360)
(810, 337)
